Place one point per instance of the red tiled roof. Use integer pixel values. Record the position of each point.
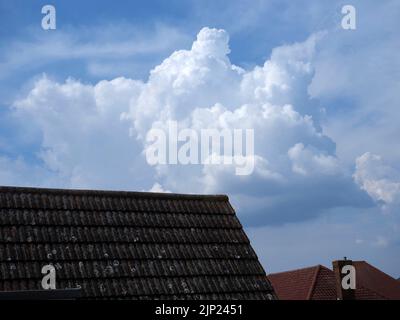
(372, 283)
(316, 282)
(324, 285)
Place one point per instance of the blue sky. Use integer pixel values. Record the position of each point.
(323, 101)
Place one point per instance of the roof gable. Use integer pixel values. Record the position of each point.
(127, 245)
(294, 285)
(324, 285)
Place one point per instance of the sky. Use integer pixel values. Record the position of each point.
(77, 102)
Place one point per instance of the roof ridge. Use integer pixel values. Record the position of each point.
(314, 281)
(294, 270)
(136, 194)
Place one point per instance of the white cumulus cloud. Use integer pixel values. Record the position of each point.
(379, 180)
(94, 135)
(84, 141)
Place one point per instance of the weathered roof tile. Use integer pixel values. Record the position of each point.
(127, 245)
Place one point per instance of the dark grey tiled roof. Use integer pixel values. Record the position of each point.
(127, 245)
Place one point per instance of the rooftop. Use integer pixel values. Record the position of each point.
(319, 283)
(132, 245)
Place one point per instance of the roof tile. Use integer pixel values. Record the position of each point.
(127, 244)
